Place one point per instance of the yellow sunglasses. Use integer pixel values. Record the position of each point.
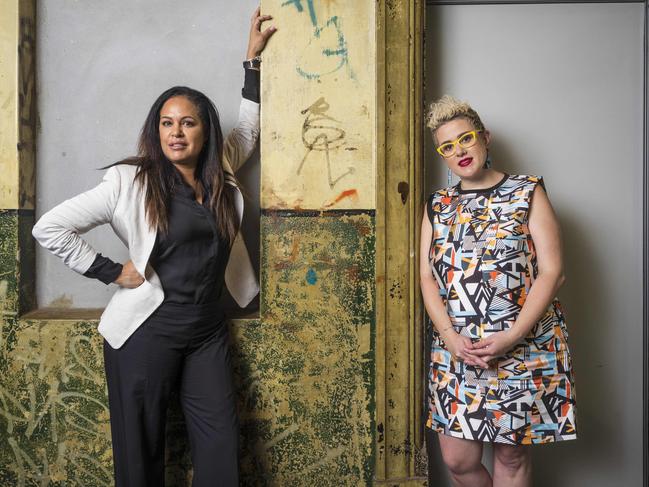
(466, 140)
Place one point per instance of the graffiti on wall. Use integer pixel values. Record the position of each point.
(322, 133)
(53, 410)
(319, 99)
(326, 52)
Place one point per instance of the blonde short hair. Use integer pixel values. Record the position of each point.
(448, 108)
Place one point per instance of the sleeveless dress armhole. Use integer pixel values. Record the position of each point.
(534, 181)
(537, 181)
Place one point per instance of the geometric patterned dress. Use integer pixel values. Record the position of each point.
(484, 262)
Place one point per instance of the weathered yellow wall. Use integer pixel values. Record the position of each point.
(318, 116)
(8, 104)
(318, 237)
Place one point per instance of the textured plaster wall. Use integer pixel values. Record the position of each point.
(318, 238)
(319, 106)
(8, 105)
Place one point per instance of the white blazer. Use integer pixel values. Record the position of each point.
(119, 201)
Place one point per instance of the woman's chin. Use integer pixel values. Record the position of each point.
(468, 172)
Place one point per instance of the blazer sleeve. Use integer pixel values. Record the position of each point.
(59, 229)
(240, 143)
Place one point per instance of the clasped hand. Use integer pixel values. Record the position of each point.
(480, 353)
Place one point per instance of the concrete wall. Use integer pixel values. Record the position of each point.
(99, 70)
(560, 88)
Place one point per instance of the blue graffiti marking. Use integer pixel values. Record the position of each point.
(298, 6)
(311, 277)
(340, 51)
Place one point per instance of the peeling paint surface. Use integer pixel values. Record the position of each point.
(54, 416)
(314, 351)
(304, 410)
(9, 224)
(27, 115)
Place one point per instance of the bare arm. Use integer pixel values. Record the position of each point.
(459, 346)
(240, 143)
(546, 235)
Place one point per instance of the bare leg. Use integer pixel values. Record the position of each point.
(512, 466)
(463, 460)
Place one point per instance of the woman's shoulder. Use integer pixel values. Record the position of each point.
(123, 178)
(441, 193)
(124, 173)
(529, 182)
(124, 169)
(525, 178)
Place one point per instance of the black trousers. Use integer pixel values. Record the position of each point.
(184, 347)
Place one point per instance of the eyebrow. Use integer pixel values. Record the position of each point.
(458, 136)
(183, 118)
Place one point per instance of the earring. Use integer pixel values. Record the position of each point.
(449, 177)
(487, 163)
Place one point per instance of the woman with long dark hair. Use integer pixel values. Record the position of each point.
(178, 208)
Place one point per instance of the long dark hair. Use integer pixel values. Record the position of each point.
(157, 174)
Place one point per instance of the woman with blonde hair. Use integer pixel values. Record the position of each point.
(491, 265)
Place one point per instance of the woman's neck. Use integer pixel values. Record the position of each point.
(188, 173)
(484, 179)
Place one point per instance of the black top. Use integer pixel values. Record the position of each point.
(459, 189)
(191, 258)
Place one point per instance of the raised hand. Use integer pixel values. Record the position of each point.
(258, 38)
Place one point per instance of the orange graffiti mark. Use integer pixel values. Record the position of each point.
(348, 193)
